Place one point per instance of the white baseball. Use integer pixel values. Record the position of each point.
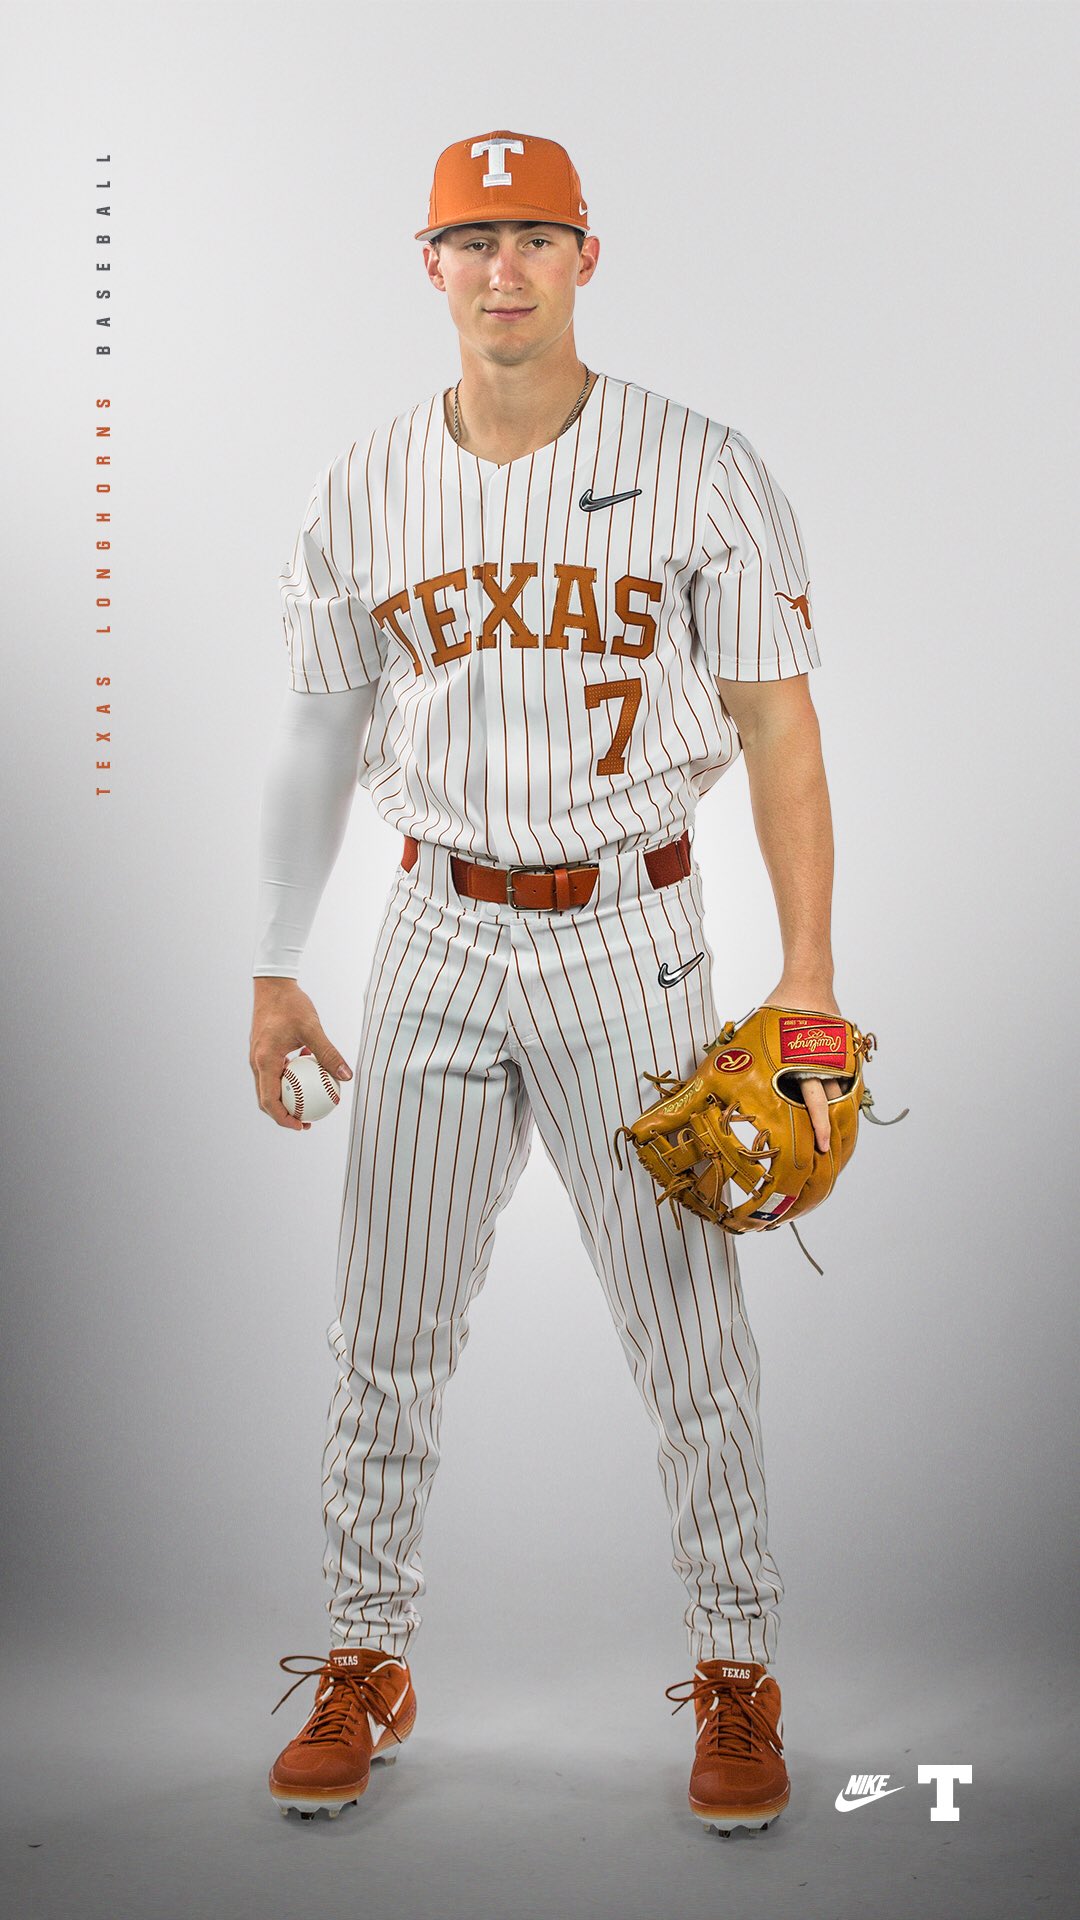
(308, 1091)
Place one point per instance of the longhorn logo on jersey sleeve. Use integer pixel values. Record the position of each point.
(800, 602)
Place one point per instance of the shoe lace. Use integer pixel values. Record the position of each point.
(736, 1723)
(338, 1700)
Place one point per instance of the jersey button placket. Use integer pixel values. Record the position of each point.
(495, 745)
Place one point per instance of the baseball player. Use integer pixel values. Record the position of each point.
(536, 615)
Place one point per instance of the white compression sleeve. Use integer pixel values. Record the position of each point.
(310, 784)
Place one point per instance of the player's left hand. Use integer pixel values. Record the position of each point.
(816, 1093)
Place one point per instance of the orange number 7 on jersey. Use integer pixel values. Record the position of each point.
(629, 692)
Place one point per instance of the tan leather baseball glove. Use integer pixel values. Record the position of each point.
(741, 1117)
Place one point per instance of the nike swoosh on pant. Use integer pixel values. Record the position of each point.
(670, 976)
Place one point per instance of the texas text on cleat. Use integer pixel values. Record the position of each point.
(738, 1778)
(365, 1708)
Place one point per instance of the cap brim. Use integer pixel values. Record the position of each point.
(483, 217)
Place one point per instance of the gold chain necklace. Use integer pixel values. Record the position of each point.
(576, 408)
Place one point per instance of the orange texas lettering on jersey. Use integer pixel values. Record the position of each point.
(575, 613)
(545, 637)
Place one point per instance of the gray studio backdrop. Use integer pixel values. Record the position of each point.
(843, 230)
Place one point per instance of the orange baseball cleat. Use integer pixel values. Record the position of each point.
(738, 1778)
(365, 1708)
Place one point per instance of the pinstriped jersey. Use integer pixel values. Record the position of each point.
(545, 635)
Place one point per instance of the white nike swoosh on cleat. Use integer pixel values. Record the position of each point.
(843, 1805)
(378, 1727)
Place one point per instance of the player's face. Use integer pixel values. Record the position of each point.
(511, 287)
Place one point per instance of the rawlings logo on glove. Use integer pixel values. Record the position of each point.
(740, 1117)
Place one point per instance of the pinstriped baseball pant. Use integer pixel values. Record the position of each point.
(481, 1022)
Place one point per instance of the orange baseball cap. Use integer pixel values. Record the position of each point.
(504, 176)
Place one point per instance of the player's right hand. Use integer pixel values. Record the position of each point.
(285, 1018)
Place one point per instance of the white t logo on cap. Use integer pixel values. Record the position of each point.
(498, 149)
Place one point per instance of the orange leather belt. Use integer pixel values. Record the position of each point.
(550, 889)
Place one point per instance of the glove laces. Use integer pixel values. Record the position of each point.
(338, 1701)
(739, 1725)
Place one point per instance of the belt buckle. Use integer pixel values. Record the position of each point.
(510, 901)
(570, 867)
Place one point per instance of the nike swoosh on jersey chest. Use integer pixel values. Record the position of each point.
(464, 561)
